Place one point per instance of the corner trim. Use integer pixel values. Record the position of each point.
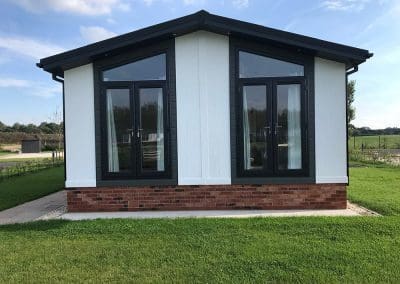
(80, 183)
(332, 179)
(205, 181)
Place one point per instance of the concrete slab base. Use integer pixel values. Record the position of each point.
(207, 214)
(52, 205)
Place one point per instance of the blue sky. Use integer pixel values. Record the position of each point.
(32, 29)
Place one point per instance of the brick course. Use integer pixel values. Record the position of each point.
(207, 197)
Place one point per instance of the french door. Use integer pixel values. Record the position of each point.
(135, 130)
(271, 124)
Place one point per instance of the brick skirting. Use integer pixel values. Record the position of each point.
(208, 197)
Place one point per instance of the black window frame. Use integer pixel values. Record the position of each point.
(288, 54)
(169, 176)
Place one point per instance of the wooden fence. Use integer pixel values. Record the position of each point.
(11, 169)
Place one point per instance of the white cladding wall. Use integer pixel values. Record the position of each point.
(202, 97)
(203, 126)
(79, 123)
(330, 122)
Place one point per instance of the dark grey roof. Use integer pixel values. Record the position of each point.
(203, 20)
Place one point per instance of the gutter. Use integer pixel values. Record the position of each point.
(354, 70)
(61, 80)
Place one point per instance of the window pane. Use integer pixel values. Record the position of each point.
(152, 129)
(289, 127)
(152, 68)
(118, 118)
(254, 123)
(253, 65)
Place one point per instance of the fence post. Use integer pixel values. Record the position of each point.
(379, 143)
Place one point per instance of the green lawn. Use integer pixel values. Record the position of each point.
(372, 142)
(5, 153)
(377, 188)
(17, 190)
(261, 250)
(363, 249)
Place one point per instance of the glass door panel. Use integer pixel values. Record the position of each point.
(151, 129)
(255, 127)
(119, 130)
(288, 127)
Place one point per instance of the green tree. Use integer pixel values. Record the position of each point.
(351, 111)
(2, 126)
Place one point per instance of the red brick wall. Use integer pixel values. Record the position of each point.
(202, 197)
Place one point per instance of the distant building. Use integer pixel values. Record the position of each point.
(31, 146)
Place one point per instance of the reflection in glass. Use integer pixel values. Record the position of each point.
(152, 129)
(151, 68)
(253, 65)
(254, 123)
(289, 127)
(118, 130)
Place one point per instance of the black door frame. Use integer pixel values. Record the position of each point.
(124, 56)
(303, 124)
(136, 151)
(267, 167)
(285, 53)
(124, 85)
(149, 84)
(270, 169)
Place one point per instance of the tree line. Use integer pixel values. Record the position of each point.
(366, 131)
(42, 128)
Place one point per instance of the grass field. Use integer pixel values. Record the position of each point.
(372, 142)
(330, 250)
(377, 188)
(259, 250)
(17, 190)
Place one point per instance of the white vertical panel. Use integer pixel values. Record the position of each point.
(330, 122)
(79, 123)
(202, 92)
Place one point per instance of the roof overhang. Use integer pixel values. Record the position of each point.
(203, 20)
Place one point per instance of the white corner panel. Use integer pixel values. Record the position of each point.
(330, 122)
(79, 127)
(202, 94)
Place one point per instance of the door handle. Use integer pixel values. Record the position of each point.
(276, 128)
(131, 131)
(267, 129)
(139, 132)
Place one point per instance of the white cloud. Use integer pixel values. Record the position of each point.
(193, 2)
(29, 47)
(12, 82)
(83, 7)
(240, 4)
(344, 5)
(94, 33)
(33, 88)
